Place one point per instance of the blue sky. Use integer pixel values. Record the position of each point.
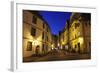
(56, 20)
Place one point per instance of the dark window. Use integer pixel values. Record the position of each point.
(47, 29)
(43, 35)
(79, 47)
(37, 49)
(33, 31)
(29, 46)
(77, 25)
(34, 20)
(43, 25)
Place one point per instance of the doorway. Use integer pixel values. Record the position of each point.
(37, 50)
(78, 47)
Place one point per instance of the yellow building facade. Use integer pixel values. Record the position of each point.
(64, 37)
(80, 33)
(37, 37)
(76, 36)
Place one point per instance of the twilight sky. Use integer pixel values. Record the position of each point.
(56, 20)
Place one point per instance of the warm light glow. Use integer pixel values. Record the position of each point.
(30, 40)
(35, 42)
(81, 40)
(52, 45)
(58, 44)
(52, 48)
(63, 43)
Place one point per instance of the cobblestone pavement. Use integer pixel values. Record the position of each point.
(57, 55)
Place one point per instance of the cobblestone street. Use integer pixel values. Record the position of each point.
(57, 55)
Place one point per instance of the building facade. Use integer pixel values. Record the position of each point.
(54, 41)
(80, 33)
(64, 37)
(76, 36)
(37, 37)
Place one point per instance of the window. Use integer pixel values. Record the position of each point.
(79, 47)
(34, 20)
(29, 46)
(43, 47)
(77, 25)
(33, 31)
(43, 35)
(43, 25)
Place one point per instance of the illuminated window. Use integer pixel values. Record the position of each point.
(29, 46)
(33, 31)
(34, 20)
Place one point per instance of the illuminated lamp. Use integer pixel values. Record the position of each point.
(35, 42)
(81, 40)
